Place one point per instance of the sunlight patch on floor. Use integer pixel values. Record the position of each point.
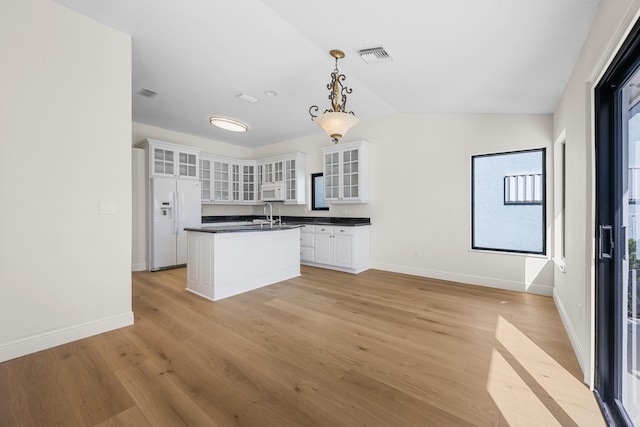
(517, 403)
(527, 384)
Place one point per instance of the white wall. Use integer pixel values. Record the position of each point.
(65, 124)
(574, 290)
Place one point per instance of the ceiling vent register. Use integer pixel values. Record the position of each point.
(147, 92)
(374, 55)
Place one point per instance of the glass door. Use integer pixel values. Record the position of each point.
(630, 315)
(617, 384)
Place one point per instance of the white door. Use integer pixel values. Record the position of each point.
(189, 214)
(162, 236)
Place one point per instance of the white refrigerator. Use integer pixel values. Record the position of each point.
(175, 204)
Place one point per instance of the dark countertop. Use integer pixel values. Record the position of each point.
(289, 220)
(243, 228)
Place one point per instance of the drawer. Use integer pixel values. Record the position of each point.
(307, 254)
(324, 229)
(343, 231)
(307, 240)
(308, 229)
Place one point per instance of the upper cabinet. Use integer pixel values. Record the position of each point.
(289, 169)
(167, 159)
(226, 180)
(346, 173)
(271, 170)
(249, 186)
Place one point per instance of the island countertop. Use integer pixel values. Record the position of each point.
(244, 228)
(291, 220)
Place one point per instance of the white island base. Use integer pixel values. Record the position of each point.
(222, 264)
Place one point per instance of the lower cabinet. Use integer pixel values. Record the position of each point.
(307, 243)
(336, 247)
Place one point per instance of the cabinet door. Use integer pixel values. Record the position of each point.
(277, 171)
(343, 251)
(221, 181)
(235, 182)
(248, 183)
(324, 248)
(332, 176)
(350, 174)
(260, 175)
(187, 165)
(268, 172)
(307, 254)
(163, 162)
(290, 180)
(205, 179)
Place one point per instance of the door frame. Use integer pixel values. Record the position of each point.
(608, 193)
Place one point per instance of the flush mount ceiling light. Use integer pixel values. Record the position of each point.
(336, 121)
(228, 124)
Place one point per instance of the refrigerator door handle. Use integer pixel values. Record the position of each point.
(176, 217)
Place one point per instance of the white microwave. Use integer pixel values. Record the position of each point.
(272, 192)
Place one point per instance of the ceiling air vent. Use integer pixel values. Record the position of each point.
(147, 92)
(375, 54)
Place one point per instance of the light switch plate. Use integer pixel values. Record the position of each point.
(107, 208)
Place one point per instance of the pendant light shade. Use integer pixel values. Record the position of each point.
(336, 124)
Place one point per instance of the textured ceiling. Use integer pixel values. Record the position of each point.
(463, 56)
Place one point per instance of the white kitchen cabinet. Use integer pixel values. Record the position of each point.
(220, 265)
(346, 173)
(243, 182)
(228, 181)
(249, 185)
(272, 170)
(171, 160)
(324, 245)
(307, 243)
(344, 248)
(205, 179)
(221, 180)
(290, 169)
(215, 179)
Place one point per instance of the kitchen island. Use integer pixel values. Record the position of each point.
(227, 260)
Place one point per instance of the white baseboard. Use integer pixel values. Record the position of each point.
(578, 349)
(46, 340)
(490, 282)
(139, 267)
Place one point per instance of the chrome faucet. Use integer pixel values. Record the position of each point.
(264, 210)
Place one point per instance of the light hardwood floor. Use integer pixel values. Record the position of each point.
(324, 349)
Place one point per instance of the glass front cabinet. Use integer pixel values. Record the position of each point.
(346, 173)
(166, 159)
(289, 169)
(226, 180)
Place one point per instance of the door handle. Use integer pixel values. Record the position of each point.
(605, 240)
(625, 244)
(176, 219)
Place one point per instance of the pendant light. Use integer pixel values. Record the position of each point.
(336, 121)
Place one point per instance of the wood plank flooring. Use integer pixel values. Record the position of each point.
(324, 349)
